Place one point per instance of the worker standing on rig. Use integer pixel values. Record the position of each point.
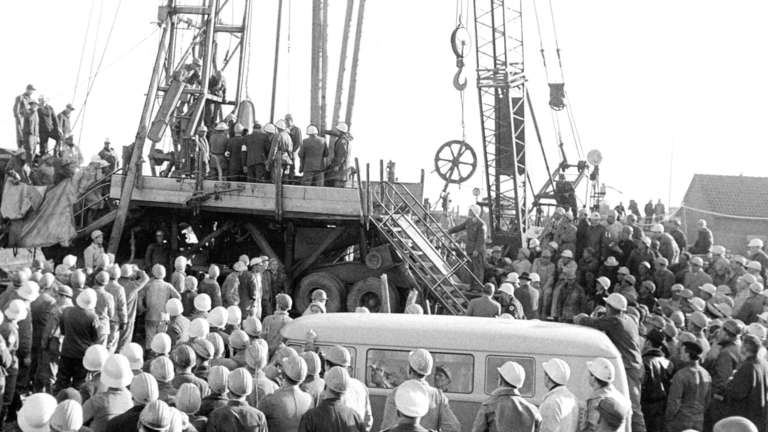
(21, 107)
(312, 157)
(475, 245)
(337, 171)
(281, 148)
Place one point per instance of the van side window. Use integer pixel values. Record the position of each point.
(452, 373)
(492, 375)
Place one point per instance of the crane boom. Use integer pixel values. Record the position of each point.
(501, 93)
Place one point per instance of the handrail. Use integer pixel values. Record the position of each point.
(430, 222)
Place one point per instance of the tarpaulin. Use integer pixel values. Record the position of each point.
(50, 224)
(20, 198)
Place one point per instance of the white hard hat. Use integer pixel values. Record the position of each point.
(240, 382)
(256, 355)
(174, 307)
(199, 328)
(755, 242)
(337, 379)
(221, 126)
(756, 288)
(94, 357)
(162, 369)
(338, 355)
(234, 315)
(754, 265)
(604, 281)
(708, 288)
(188, 398)
(567, 254)
(718, 250)
(68, 416)
(29, 290)
(280, 124)
(239, 128)
(252, 326)
(342, 127)
(87, 299)
(420, 360)
(698, 303)
(218, 317)
(270, 128)
(512, 373)
(144, 388)
(135, 355)
(513, 277)
(295, 368)
(411, 399)
(758, 330)
(116, 371)
(35, 415)
(657, 228)
(217, 379)
(535, 277)
(557, 370)
(69, 261)
(202, 302)
(180, 262)
(160, 343)
(238, 340)
(507, 288)
(602, 369)
(16, 310)
(312, 130)
(617, 301)
(156, 415)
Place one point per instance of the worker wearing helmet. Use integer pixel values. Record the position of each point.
(337, 169)
(218, 142)
(280, 160)
(756, 253)
(606, 408)
(704, 239)
(275, 322)
(256, 149)
(622, 330)
(203, 151)
(153, 298)
(312, 157)
(506, 409)
(296, 139)
(475, 244)
(234, 153)
(439, 415)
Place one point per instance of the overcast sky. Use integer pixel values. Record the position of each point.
(654, 84)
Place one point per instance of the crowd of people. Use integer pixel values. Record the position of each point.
(689, 320)
(223, 150)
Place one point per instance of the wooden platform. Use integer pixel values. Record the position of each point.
(301, 202)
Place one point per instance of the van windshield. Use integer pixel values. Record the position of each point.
(452, 373)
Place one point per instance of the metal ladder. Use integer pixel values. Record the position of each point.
(430, 252)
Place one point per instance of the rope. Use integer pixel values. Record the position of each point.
(288, 54)
(729, 216)
(101, 61)
(82, 50)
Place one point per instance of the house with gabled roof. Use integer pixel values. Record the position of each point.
(735, 208)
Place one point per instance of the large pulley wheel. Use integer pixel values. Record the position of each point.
(455, 161)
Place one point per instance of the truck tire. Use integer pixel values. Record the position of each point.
(328, 283)
(367, 292)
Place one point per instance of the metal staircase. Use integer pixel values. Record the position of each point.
(432, 255)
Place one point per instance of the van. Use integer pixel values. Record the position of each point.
(466, 351)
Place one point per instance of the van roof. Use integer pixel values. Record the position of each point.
(453, 333)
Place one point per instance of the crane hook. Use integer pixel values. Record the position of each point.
(460, 80)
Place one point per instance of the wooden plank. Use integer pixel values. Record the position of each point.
(256, 198)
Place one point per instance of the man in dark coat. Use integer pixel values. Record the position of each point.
(704, 239)
(689, 393)
(658, 373)
(257, 150)
(596, 237)
(296, 138)
(236, 165)
(79, 325)
(337, 169)
(312, 156)
(746, 394)
(48, 124)
(680, 238)
(475, 244)
(721, 367)
(622, 330)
